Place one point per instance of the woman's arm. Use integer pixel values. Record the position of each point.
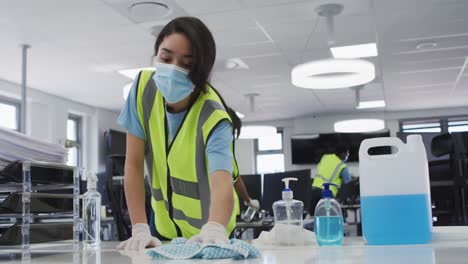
(222, 200)
(134, 179)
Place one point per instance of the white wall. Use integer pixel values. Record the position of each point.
(324, 124)
(47, 120)
(244, 156)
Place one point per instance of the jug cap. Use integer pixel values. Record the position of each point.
(327, 193)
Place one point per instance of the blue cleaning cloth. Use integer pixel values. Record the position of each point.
(179, 249)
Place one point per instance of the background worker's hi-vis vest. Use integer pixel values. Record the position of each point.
(178, 170)
(329, 171)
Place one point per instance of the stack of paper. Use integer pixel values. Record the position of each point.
(16, 146)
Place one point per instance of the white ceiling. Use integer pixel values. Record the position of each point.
(77, 47)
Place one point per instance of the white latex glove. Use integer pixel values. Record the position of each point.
(255, 204)
(211, 233)
(141, 238)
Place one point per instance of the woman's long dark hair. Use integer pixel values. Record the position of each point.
(236, 122)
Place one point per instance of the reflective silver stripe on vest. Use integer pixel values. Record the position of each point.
(321, 177)
(149, 95)
(202, 172)
(186, 188)
(157, 194)
(333, 176)
(179, 214)
(335, 172)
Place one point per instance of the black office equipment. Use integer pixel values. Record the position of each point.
(39, 233)
(310, 150)
(51, 189)
(43, 174)
(115, 142)
(450, 196)
(48, 202)
(116, 195)
(253, 184)
(273, 187)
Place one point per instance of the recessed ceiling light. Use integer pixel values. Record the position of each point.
(305, 136)
(252, 132)
(240, 115)
(333, 73)
(371, 104)
(359, 125)
(132, 73)
(126, 90)
(355, 51)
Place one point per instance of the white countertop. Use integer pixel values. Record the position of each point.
(450, 247)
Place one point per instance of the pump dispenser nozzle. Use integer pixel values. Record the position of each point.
(287, 192)
(91, 179)
(327, 193)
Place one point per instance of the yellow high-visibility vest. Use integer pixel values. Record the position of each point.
(178, 170)
(329, 171)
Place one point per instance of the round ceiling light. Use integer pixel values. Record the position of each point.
(333, 73)
(252, 132)
(359, 125)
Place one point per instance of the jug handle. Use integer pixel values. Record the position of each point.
(379, 142)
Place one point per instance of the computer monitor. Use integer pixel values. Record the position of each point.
(253, 184)
(115, 142)
(273, 187)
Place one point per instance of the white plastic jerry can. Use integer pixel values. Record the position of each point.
(395, 192)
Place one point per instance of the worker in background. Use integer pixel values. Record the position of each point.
(177, 125)
(239, 185)
(332, 168)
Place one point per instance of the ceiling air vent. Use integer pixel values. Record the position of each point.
(149, 11)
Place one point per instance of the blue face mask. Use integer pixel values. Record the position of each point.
(173, 82)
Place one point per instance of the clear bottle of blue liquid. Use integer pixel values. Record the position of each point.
(328, 219)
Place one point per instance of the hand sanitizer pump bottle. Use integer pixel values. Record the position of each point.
(328, 219)
(91, 213)
(288, 217)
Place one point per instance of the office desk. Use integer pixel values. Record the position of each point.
(354, 250)
(257, 226)
(356, 208)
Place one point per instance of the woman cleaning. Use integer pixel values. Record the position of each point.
(177, 125)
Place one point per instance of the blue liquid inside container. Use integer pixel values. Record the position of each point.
(396, 219)
(329, 230)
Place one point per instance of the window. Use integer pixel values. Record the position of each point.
(73, 142)
(10, 114)
(439, 125)
(269, 154)
(458, 125)
(423, 126)
(268, 163)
